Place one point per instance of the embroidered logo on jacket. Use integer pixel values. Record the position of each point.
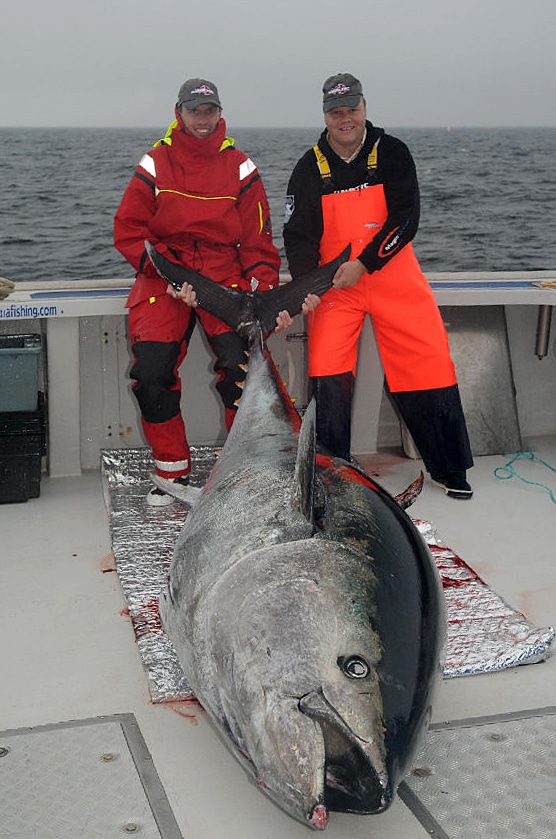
(290, 207)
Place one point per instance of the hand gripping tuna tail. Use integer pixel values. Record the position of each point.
(247, 312)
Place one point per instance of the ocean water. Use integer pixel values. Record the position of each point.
(488, 195)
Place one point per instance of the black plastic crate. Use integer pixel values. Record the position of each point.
(20, 468)
(26, 423)
(22, 447)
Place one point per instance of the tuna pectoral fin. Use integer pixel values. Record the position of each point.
(305, 463)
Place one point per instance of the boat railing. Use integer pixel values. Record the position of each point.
(87, 360)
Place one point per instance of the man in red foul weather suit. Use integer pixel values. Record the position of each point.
(358, 185)
(201, 202)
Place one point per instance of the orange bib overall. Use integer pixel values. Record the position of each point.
(409, 330)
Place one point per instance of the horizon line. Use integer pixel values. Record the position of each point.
(276, 127)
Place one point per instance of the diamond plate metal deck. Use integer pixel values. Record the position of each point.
(92, 778)
(487, 777)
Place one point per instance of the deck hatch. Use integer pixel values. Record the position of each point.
(488, 776)
(92, 777)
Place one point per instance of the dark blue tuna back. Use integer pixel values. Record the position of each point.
(406, 607)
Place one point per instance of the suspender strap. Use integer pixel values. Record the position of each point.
(322, 163)
(324, 166)
(373, 157)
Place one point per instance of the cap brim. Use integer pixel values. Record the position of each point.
(191, 104)
(342, 102)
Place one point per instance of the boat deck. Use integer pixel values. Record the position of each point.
(71, 670)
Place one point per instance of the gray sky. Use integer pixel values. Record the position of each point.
(422, 62)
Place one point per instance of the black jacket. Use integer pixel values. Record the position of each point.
(395, 170)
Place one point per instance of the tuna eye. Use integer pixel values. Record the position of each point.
(354, 667)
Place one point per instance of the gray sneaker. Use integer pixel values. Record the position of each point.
(157, 497)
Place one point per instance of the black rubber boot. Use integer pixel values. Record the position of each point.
(436, 422)
(334, 395)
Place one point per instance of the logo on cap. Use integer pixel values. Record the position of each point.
(204, 89)
(339, 90)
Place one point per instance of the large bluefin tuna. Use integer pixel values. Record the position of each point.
(303, 605)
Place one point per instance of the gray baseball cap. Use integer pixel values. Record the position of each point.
(341, 91)
(195, 92)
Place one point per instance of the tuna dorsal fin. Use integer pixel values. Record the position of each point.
(305, 463)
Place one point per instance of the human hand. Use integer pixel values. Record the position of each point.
(348, 274)
(284, 319)
(186, 293)
(310, 303)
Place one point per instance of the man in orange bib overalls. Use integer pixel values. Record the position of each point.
(358, 185)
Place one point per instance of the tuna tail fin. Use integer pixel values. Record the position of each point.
(290, 296)
(225, 303)
(242, 310)
(305, 463)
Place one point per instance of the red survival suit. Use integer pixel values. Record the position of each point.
(201, 203)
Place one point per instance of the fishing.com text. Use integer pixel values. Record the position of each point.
(22, 310)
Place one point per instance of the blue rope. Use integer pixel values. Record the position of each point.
(504, 473)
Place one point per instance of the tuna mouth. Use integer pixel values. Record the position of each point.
(352, 785)
(356, 778)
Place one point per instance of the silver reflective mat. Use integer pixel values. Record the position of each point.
(491, 778)
(92, 778)
(484, 633)
(143, 541)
